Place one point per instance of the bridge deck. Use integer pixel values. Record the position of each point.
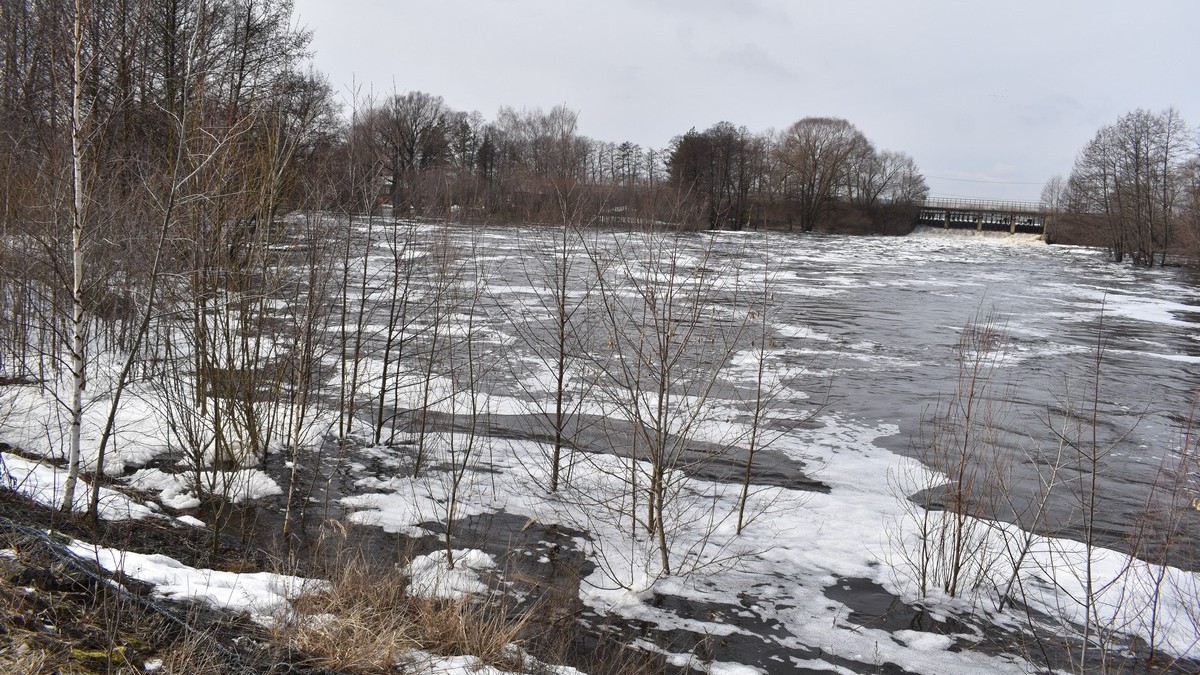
(987, 205)
(983, 215)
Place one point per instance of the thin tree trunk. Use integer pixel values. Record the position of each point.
(77, 217)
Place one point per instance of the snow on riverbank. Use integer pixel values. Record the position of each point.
(264, 596)
(43, 483)
(778, 571)
(38, 423)
(770, 590)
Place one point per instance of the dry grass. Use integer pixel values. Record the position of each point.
(469, 627)
(55, 619)
(366, 622)
(194, 654)
(19, 658)
(361, 624)
(51, 623)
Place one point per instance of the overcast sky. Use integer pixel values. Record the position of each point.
(990, 98)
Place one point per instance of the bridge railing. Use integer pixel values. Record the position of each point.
(988, 205)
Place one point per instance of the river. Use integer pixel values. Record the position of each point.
(875, 321)
(895, 308)
(869, 325)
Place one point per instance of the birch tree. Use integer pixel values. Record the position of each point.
(78, 217)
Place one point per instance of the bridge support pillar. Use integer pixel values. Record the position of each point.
(979, 223)
(946, 224)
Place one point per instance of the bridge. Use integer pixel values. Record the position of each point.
(983, 215)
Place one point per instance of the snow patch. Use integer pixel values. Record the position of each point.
(431, 577)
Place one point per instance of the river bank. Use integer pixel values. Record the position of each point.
(858, 350)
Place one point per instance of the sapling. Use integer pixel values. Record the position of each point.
(551, 333)
(440, 305)
(305, 353)
(78, 218)
(401, 315)
(953, 552)
(468, 366)
(363, 172)
(770, 382)
(671, 335)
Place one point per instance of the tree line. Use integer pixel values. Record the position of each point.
(152, 154)
(1134, 188)
(421, 157)
(233, 72)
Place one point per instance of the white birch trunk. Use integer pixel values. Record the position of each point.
(77, 216)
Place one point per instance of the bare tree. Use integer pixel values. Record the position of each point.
(1189, 220)
(668, 340)
(544, 159)
(440, 302)
(554, 264)
(819, 154)
(720, 168)
(771, 379)
(467, 368)
(1054, 201)
(412, 139)
(402, 312)
(1130, 173)
(358, 188)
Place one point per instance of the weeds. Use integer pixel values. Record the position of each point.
(367, 621)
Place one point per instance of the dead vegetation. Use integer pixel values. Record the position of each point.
(368, 621)
(59, 614)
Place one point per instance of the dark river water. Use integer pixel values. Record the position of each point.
(875, 322)
(892, 311)
(1092, 358)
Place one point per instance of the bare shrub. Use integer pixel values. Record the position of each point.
(943, 548)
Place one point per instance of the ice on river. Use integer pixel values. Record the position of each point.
(866, 326)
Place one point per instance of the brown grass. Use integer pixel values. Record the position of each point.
(193, 654)
(367, 621)
(55, 619)
(52, 623)
(19, 658)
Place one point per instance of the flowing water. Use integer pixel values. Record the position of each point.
(1107, 352)
(875, 321)
(895, 307)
